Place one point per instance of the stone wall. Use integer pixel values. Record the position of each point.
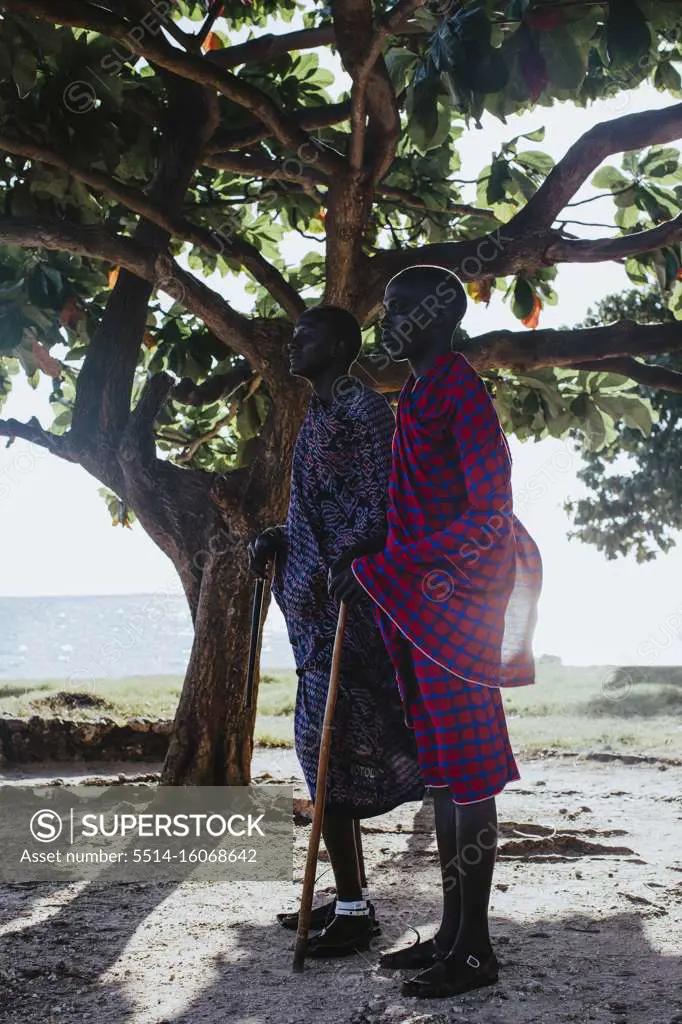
(63, 739)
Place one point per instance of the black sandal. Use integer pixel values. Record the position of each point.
(323, 916)
(452, 976)
(319, 917)
(419, 954)
(345, 936)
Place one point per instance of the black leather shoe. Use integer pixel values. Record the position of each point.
(322, 916)
(319, 917)
(419, 954)
(452, 976)
(345, 936)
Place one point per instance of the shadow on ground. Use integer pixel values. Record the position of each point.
(572, 970)
(577, 942)
(48, 967)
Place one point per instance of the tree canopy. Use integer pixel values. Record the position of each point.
(158, 156)
(635, 491)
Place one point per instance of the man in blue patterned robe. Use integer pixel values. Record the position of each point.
(341, 466)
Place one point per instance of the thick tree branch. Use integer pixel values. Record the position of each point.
(353, 28)
(95, 242)
(649, 374)
(307, 118)
(601, 347)
(241, 334)
(375, 121)
(105, 383)
(507, 251)
(529, 350)
(633, 131)
(403, 197)
(215, 387)
(199, 69)
(172, 503)
(373, 98)
(33, 432)
(267, 47)
(139, 437)
(139, 202)
(601, 249)
(261, 166)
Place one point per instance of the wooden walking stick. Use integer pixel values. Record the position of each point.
(320, 792)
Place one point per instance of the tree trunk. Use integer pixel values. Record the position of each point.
(212, 739)
(203, 522)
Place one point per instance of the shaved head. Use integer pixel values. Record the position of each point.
(423, 307)
(427, 279)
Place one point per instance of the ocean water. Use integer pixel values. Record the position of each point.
(78, 639)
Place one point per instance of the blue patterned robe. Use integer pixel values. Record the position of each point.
(341, 467)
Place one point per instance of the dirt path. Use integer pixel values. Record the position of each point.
(584, 930)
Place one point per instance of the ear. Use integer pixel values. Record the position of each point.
(338, 349)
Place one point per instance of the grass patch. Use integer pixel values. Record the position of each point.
(582, 709)
(277, 694)
(133, 697)
(569, 708)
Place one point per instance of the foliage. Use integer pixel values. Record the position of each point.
(634, 504)
(85, 97)
(507, 58)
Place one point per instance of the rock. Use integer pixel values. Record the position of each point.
(138, 724)
(55, 739)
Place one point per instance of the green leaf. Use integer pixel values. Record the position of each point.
(609, 178)
(627, 217)
(595, 428)
(648, 200)
(675, 301)
(401, 65)
(536, 136)
(24, 70)
(667, 78)
(628, 39)
(523, 299)
(566, 61)
(637, 414)
(659, 156)
(61, 422)
(248, 420)
(536, 161)
(635, 271)
(497, 183)
(631, 160)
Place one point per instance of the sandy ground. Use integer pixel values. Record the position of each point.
(587, 921)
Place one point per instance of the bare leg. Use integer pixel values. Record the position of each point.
(339, 838)
(360, 853)
(347, 933)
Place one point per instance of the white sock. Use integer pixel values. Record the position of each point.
(351, 908)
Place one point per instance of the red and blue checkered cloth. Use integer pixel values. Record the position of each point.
(460, 577)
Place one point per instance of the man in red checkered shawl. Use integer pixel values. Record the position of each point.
(455, 590)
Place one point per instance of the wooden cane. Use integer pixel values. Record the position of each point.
(320, 792)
